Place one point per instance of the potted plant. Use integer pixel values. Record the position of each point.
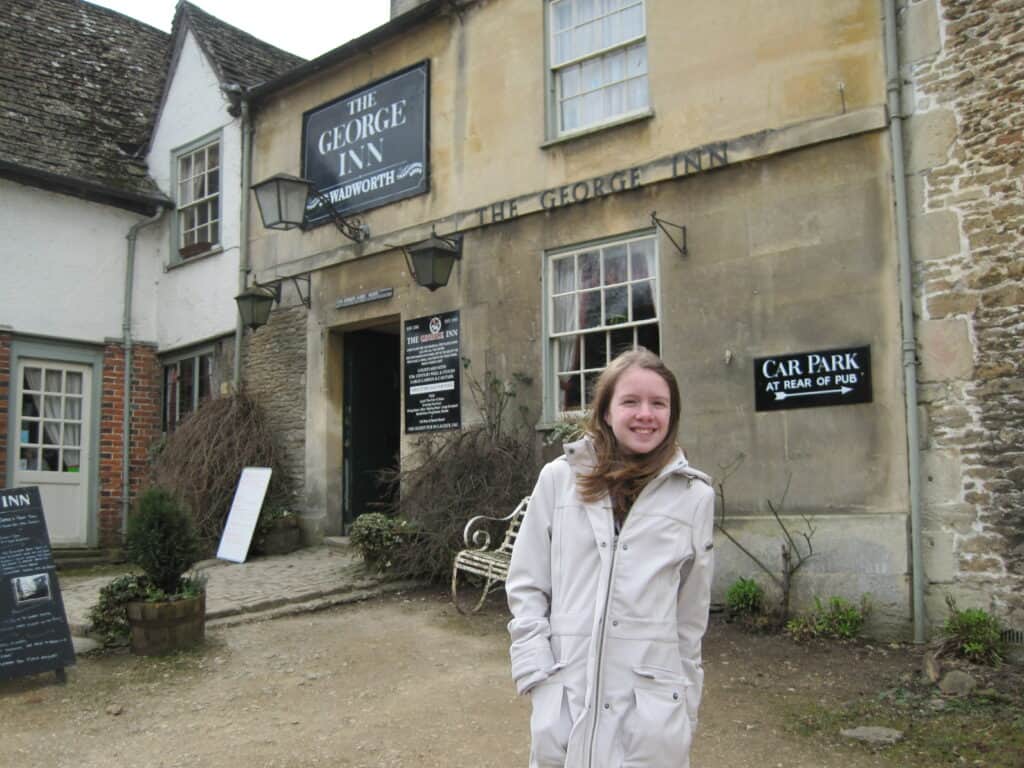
(161, 540)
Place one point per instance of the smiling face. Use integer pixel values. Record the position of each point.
(640, 410)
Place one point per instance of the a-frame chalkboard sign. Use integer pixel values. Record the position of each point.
(34, 633)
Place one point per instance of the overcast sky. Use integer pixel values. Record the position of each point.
(306, 28)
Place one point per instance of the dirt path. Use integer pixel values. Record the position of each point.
(401, 681)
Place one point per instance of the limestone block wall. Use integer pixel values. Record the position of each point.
(274, 369)
(964, 90)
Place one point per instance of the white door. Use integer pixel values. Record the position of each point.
(53, 444)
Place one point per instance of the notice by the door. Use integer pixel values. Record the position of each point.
(34, 633)
(244, 514)
(813, 379)
(432, 393)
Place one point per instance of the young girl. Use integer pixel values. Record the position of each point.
(609, 584)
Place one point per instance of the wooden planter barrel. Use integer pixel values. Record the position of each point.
(159, 628)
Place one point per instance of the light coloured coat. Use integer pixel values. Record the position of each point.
(606, 630)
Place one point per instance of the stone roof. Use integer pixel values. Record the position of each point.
(78, 87)
(237, 56)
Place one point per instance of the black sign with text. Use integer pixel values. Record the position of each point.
(432, 393)
(813, 379)
(34, 633)
(369, 147)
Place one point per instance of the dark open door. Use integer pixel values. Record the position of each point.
(372, 415)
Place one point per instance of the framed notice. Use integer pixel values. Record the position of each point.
(34, 633)
(369, 147)
(813, 379)
(244, 512)
(432, 391)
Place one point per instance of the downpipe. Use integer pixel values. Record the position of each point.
(894, 99)
(126, 338)
(243, 239)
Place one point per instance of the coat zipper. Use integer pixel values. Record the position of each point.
(600, 651)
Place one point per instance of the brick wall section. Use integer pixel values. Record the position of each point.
(967, 157)
(5, 403)
(145, 428)
(274, 374)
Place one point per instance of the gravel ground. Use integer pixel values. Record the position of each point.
(398, 681)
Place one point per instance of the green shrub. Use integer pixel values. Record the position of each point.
(109, 616)
(745, 598)
(838, 620)
(974, 634)
(378, 537)
(161, 540)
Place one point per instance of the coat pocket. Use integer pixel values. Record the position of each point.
(550, 725)
(656, 732)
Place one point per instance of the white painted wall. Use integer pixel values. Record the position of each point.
(62, 266)
(194, 300)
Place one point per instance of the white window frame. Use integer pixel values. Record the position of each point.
(552, 409)
(185, 238)
(169, 423)
(602, 54)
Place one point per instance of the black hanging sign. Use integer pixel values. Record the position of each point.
(369, 147)
(34, 633)
(432, 393)
(812, 379)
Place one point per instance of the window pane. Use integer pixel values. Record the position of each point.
(636, 60)
(186, 387)
(592, 110)
(615, 264)
(562, 15)
(51, 459)
(615, 66)
(29, 459)
(53, 381)
(33, 379)
(563, 48)
(564, 275)
(591, 382)
(591, 74)
(214, 233)
(564, 308)
(185, 192)
(51, 432)
(51, 406)
(185, 168)
(621, 340)
(73, 383)
(30, 404)
(213, 182)
(571, 114)
(199, 187)
(569, 82)
(584, 10)
(595, 350)
(590, 309)
(641, 254)
(569, 393)
(647, 336)
(632, 22)
(616, 309)
(643, 300)
(72, 408)
(72, 461)
(29, 431)
(205, 376)
(202, 214)
(615, 99)
(568, 354)
(590, 269)
(637, 93)
(213, 156)
(72, 435)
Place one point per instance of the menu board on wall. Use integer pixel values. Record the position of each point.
(432, 392)
(34, 633)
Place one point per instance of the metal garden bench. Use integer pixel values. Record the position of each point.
(479, 559)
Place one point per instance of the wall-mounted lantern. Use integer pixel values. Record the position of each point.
(256, 301)
(282, 200)
(431, 260)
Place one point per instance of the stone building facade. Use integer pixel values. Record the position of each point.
(964, 92)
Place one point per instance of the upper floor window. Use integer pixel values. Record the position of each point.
(198, 199)
(598, 61)
(602, 300)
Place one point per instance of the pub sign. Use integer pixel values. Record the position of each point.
(369, 147)
(813, 379)
(432, 391)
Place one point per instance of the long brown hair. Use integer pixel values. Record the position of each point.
(619, 475)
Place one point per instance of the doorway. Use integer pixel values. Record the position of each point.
(371, 431)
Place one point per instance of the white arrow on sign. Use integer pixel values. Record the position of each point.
(784, 395)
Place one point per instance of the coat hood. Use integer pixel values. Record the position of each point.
(582, 458)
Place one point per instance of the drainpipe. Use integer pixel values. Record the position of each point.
(895, 109)
(243, 240)
(126, 335)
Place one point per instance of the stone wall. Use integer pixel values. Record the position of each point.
(274, 371)
(145, 429)
(965, 90)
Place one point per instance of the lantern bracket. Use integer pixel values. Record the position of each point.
(662, 224)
